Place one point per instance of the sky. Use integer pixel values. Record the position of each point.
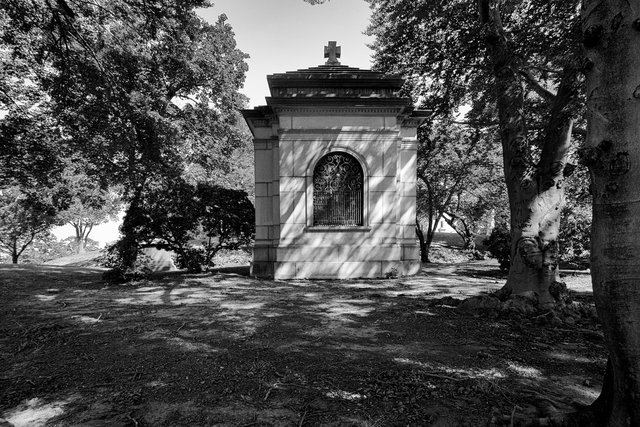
(279, 36)
(286, 35)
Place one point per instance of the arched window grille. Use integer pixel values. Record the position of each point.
(337, 191)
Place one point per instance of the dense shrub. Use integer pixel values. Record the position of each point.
(575, 236)
(499, 245)
(120, 270)
(574, 239)
(191, 259)
(193, 221)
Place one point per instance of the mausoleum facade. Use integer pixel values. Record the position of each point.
(335, 171)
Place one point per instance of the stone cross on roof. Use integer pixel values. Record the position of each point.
(333, 53)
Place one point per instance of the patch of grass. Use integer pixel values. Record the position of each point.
(442, 254)
(227, 258)
(86, 259)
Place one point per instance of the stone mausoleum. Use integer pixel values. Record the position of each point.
(335, 171)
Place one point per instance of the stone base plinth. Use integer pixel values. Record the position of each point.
(321, 262)
(344, 270)
(262, 269)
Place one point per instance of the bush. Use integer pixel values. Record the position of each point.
(193, 221)
(191, 259)
(499, 245)
(119, 270)
(575, 236)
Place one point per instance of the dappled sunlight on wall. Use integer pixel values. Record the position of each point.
(320, 125)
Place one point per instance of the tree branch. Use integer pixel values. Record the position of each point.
(475, 123)
(537, 87)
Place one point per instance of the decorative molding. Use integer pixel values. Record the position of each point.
(262, 123)
(265, 144)
(336, 228)
(406, 145)
(412, 122)
(340, 110)
(322, 133)
(329, 92)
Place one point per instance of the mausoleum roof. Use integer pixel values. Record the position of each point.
(334, 81)
(334, 88)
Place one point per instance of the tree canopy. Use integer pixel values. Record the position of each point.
(24, 216)
(513, 68)
(137, 87)
(441, 47)
(132, 90)
(89, 204)
(458, 173)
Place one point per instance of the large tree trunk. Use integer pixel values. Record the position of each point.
(535, 190)
(536, 197)
(611, 36)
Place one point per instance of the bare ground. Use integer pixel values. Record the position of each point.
(226, 350)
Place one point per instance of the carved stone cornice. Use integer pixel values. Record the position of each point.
(339, 110)
(331, 91)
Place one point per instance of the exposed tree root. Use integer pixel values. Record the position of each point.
(500, 304)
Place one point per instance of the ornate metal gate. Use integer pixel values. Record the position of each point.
(337, 191)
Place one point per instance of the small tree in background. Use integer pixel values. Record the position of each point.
(457, 181)
(23, 217)
(575, 235)
(575, 228)
(90, 205)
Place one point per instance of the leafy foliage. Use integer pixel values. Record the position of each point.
(46, 247)
(499, 245)
(509, 68)
(194, 221)
(121, 270)
(90, 205)
(30, 138)
(24, 216)
(459, 174)
(575, 234)
(137, 91)
(440, 47)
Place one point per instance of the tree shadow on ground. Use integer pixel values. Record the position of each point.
(231, 350)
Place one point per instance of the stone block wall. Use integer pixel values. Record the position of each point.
(287, 243)
(314, 112)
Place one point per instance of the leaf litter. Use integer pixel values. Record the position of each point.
(228, 350)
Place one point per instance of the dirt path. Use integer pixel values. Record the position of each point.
(228, 350)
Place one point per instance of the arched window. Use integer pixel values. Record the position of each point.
(337, 191)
